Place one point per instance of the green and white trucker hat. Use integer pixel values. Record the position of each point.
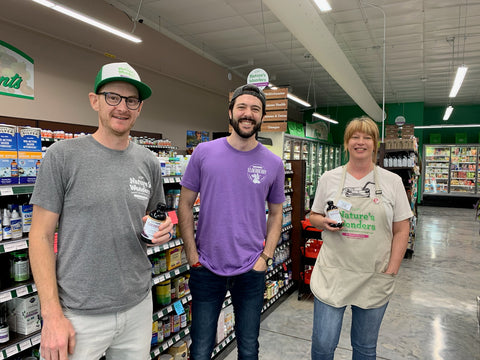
(122, 72)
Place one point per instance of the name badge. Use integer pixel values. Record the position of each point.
(344, 205)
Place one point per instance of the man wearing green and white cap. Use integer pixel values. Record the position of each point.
(95, 293)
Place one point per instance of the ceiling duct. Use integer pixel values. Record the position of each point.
(304, 22)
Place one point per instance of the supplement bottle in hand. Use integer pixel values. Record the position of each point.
(154, 219)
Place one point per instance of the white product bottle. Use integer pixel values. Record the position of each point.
(7, 230)
(16, 225)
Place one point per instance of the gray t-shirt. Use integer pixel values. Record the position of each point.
(101, 195)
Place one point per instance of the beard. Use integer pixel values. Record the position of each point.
(246, 135)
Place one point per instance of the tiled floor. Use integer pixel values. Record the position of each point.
(433, 313)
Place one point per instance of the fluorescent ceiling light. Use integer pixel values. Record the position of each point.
(323, 5)
(446, 126)
(298, 100)
(317, 115)
(448, 112)
(461, 71)
(86, 19)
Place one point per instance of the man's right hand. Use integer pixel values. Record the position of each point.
(58, 339)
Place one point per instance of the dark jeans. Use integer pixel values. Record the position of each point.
(208, 294)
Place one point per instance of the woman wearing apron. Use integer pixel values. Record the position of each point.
(358, 262)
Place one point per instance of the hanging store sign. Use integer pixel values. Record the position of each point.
(278, 104)
(275, 116)
(274, 126)
(280, 93)
(259, 78)
(317, 130)
(16, 72)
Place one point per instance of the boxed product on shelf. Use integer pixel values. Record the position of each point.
(28, 164)
(29, 146)
(29, 138)
(179, 351)
(174, 257)
(8, 155)
(24, 314)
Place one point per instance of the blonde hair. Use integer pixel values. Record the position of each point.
(364, 125)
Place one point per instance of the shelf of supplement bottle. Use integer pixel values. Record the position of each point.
(223, 344)
(7, 246)
(288, 172)
(276, 297)
(288, 190)
(404, 150)
(17, 291)
(169, 343)
(287, 227)
(159, 248)
(277, 269)
(160, 147)
(16, 189)
(170, 308)
(398, 168)
(19, 343)
(170, 274)
(174, 179)
(283, 245)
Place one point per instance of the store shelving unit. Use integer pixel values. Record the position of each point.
(409, 172)
(17, 342)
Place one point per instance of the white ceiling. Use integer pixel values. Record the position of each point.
(425, 41)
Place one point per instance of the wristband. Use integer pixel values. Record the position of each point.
(197, 264)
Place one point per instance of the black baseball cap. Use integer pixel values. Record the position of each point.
(249, 89)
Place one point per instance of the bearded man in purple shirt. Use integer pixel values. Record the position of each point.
(234, 243)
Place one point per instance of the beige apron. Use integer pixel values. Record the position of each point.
(349, 268)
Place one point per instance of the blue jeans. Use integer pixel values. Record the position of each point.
(208, 294)
(327, 325)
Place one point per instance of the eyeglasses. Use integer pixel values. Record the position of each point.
(114, 99)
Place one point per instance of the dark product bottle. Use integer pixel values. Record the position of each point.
(155, 218)
(334, 213)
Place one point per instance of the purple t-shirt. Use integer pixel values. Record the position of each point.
(233, 187)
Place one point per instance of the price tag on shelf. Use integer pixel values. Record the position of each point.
(170, 342)
(22, 291)
(179, 307)
(6, 190)
(11, 350)
(26, 344)
(22, 244)
(177, 271)
(10, 246)
(36, 339)
(6, 296)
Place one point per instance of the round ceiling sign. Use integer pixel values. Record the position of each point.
(259, 78)
(399, 120)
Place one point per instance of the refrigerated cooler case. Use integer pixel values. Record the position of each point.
(319, 157)
(451, 170)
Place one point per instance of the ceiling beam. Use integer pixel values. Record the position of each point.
(301, 18)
